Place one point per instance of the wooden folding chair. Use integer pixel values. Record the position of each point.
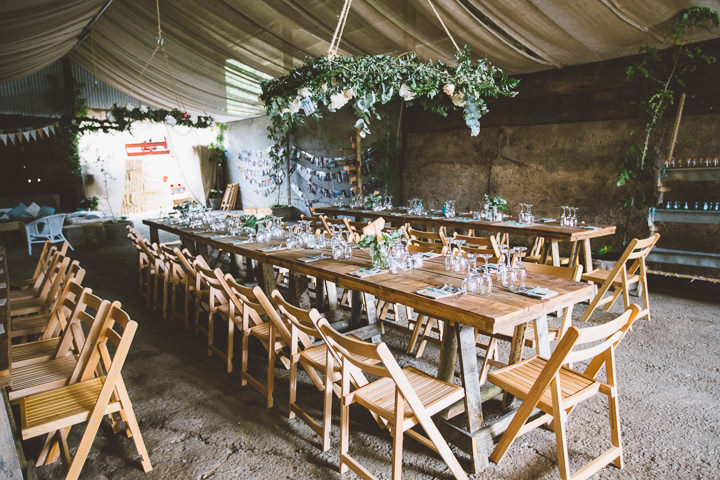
(27, 286)
(556, 390)
(538, 253)
(401, 397)
(621, 277)
(191, 283)
(230, 196)
(218, 306)
(88, 400)
(314, 359)
(177, 280)
(272, 334)
(435, 241)
(49, 329)
(72, 351)
(479, 245)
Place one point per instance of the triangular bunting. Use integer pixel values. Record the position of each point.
(33, 134)
(26, 135)
(46, 130)
(11, 139)
(3, 138)
(52, 129)
(19, 137)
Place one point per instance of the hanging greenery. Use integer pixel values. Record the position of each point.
(367, 81)
(120, 119)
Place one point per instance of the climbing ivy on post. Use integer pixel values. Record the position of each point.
(666, 70)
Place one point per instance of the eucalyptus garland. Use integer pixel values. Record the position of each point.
(368, 81)
(121, 119)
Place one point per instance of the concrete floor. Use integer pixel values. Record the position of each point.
(198, 423)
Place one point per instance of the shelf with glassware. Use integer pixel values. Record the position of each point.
(683, 211)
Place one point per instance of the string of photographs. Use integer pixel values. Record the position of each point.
(314, 178)
(322, 179)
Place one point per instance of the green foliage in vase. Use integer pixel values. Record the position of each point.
(497, 202)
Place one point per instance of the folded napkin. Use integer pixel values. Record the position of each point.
(313, 258)
(221, 235)
(439, 292)
(368, 272)
(546, 220)
(589, 227)
(534, 292)
(428, 255)
(247, 240)
(274, 248)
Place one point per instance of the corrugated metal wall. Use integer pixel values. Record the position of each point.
(41, 94)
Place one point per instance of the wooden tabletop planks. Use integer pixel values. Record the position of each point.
(498, 312)
(546, 230)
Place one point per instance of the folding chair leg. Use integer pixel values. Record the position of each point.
(344, 434)
(230, 344)
(327, 411)
(270, 375)
(423, 339)
(129, 415)
(559, 418)
(416, 332)
(491, 352)
(397, 433)
(244, 359)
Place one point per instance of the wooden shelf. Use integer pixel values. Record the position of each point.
(684, 257)
(661, 215)
(698, 174)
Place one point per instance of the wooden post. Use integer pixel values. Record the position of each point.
(358, 158)
(287, 169)
(662, 189)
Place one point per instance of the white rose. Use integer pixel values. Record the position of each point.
(294, 106)
(324, 87)
(449, 88)
(338, 100)
(457, 100)
(305, 92)
(349, 93)
(406, 93)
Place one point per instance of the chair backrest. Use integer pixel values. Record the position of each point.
(277, 326)
(208, 278)
(65, 307)
(101, 358)
(175, 268)
(48, 268)
(434, 240)
(72, 272)
(54, 281)
(479, 244)
(571, 273)
(55, 223)
(186, 262)
(45, 255)
(241, 299)
(297, 320)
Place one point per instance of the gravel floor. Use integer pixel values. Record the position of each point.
(198, 423)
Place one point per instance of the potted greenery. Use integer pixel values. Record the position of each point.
(215, 198)
(286, 212)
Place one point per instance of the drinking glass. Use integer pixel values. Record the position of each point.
(519, 274)
(485, 281)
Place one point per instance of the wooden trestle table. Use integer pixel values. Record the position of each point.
(502, 311)
(552, 232)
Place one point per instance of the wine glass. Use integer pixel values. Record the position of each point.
(485, 282)
(519, 274)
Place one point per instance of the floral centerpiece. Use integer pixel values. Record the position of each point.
(376, 241)
(493, 207)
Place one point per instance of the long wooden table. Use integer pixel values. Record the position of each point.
(5, 377)
(500, 312)
(553, 232)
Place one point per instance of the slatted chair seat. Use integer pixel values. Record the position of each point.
(519, 378)
(33, 352)
(41, 377)
(435, 395)
(61, 407)
(599, 276)
(29, 325)
(262, 333)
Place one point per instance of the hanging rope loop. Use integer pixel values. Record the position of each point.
(337, 36)
(443, 25)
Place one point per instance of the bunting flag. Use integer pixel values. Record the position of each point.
(26, 134)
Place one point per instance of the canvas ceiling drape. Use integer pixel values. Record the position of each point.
(220, 49)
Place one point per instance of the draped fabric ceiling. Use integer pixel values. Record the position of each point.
(219, 50)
